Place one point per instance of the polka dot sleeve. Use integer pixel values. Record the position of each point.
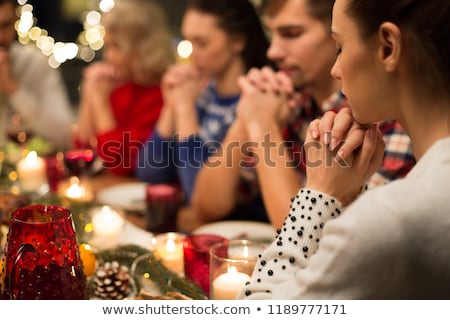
(294, 243)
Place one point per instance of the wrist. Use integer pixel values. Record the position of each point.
(258, 131)
(344, 196)
(237, 131)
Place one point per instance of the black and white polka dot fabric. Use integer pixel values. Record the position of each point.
(295, 242)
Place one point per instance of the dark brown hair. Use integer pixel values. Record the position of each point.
(425, 25)
(319, 9)
(239, 17)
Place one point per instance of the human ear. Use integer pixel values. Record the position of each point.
(238, 43)
(390, 40)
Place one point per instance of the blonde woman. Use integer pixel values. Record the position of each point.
(121, 96)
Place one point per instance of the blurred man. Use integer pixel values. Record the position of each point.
(32, 93)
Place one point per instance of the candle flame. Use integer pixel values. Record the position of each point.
(107, 220)
(75, 190)
(109, 215)
(31, 156)
(232, 269)
(170, 245)
(245, 254)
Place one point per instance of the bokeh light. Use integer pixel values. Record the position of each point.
(88, 42)
(184, 49)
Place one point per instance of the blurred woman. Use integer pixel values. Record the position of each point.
(201, 96)
(121, 96)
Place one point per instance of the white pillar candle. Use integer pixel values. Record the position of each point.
(32, 172)
(107, 226)
(227, 285)
(169, 248)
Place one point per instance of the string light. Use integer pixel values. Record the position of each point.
(88, 41)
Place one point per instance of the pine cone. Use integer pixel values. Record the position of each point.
(112, 281)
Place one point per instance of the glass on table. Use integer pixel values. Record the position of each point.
(231, 267)
(79, 161)
(42, 256)
(55, 170)
(169, 248)
(162, 202)
(196, 258)
(18, 131)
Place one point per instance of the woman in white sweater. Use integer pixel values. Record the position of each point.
(391, 242)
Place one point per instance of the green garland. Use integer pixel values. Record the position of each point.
(165, 279)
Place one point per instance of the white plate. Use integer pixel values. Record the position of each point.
(134, 235)
(250, 230)
(127, 196)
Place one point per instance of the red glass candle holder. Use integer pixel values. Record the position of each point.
(162, 207)
(42, 257)
(196, 258)
(55, 171)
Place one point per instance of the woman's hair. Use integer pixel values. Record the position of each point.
(239, 17)
(319, 9)
(425, 26)
(141, 26)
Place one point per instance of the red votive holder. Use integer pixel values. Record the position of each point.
(196, 258)
(55, 171)
(162, 207)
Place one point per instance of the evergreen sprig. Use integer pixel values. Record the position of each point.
(165, 279)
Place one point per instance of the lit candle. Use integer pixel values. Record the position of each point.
(108, 225)
(227, 285)
(75, 189)
(184, 51)
(169, 248)
(32, 173)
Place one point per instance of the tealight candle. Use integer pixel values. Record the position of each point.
(107, 226)
(75, 189)
(232, 263)
(227, 285)
(32, 172)
(169, 248)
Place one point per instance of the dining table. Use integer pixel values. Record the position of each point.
(135, 240)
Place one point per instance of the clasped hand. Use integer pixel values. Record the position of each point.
(266, 100)
(341, 155)
(182, 85)
(99, 79)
